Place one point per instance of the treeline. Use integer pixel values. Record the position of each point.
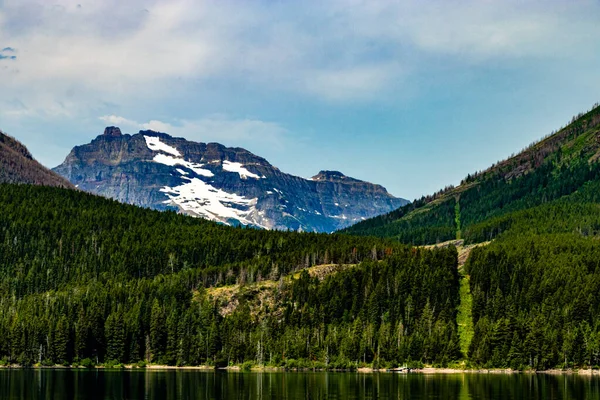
(85, 279)
(418, 223)
(400, 310)
(535, 302)
(51, 237)
(396, 311)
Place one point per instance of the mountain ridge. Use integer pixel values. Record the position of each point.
(555, 166)
(224, 184)
(17, 165)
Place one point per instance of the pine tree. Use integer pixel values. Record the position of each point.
(115, 337)
(172, 337)
(61, 341)
(157, 332)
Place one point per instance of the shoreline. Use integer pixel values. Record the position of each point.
(362, 370)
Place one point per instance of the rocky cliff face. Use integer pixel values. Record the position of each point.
(229, 185)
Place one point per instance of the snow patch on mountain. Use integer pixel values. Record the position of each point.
(155, 144)
(172, 161)
(339, 216)
(200, 198)
(238, 168)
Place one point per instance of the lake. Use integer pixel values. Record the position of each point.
(194, 384)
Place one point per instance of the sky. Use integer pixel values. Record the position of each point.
(413, 95)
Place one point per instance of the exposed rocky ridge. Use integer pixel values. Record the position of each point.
(230, 185)
(18, 166)
(333, 176)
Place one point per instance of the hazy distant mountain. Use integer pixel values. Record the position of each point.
(229, 185)
(18, 166)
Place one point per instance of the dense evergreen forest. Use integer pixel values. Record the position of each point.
(85, 279)
(534, 289)
(535, 302)
(53, 237)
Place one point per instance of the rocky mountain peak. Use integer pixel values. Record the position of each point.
(149, 132)
(332, 176)
(112, 131)
(226, 184)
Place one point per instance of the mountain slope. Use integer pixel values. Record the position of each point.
(534, 287)
(228, 185)
(18, 166)
(82, 276)
(556, 166)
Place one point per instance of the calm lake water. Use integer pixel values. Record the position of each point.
(188, 384)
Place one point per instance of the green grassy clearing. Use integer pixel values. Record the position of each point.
(465, 319)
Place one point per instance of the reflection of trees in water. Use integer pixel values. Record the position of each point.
(193, 384)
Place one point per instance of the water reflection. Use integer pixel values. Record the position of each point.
(189, 384)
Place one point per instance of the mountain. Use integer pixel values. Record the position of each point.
(18, 166)
(228, 185)
(559, 165)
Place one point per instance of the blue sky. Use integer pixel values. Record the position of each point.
(409, 94)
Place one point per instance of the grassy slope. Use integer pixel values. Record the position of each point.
(465, 319)
(263, 293)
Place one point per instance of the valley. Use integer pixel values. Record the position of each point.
(500, 272)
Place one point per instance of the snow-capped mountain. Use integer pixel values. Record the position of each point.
(228, 185)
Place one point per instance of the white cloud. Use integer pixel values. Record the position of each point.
(71, 45)
(475, 29)
(72, 54)
(116, 120)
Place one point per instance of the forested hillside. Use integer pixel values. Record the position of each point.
(83, 277)
(555, 167)
(56, 237)
(18, 166)
(535, 302)
(535, 288)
